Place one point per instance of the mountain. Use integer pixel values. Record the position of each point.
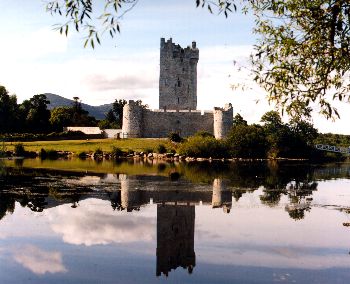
(97, 111)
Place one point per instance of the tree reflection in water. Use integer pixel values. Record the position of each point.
(175, 195)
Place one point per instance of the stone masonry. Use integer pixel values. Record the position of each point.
(177, 101)
(178, 76)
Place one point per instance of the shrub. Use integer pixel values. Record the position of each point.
(148, 150)
(52, 154)
(49, 154)
(19, 150)
(116, 152)
(247, 141)
(82, 155)
(204, 134)
(174, 137)
(161, 149)
(204, 147)
(98, 152)
(42, 154)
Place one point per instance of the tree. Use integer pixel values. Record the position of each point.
(8, 111)
(80, 117)
(118, 106)
(301, 57)
(247, 141)
(60, 117)
(110, 122)
(38, 116)
(82, 15)
(238, 119)
(118, 111)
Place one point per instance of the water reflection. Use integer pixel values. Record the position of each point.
(40, 189)
(176, 196)
(175, 238)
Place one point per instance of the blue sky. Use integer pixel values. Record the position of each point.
(36, 59)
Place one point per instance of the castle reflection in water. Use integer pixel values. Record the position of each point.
(175, 202)
(175, 219)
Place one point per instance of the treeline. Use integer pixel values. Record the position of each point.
(339, 140)
(33, 116)
(272, 139)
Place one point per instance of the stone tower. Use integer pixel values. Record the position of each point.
(223, 120)
(178, 76)
(132, 120)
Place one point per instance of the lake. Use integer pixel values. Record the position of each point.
(74, 221)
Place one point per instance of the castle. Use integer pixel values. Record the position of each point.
(177, 101)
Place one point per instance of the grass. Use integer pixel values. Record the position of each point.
(106, 145)
(91, 166)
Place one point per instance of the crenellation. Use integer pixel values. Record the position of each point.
(178, 76)
(177, 100)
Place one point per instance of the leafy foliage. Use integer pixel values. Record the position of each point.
(80, 15)
(204, 147)
(87, 16)
(8, 111)
(19, 149)
(174, 137)
(302, 56)
(247, 141)
(274, 139)
(161, 149)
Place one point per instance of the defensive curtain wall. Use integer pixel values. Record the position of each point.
(177, 100)
(140, 122)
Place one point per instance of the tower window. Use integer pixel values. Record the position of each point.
(178, 83)
(178, 101)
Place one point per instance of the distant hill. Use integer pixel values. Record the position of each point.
(97, 111)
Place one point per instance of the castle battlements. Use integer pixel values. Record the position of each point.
(177, 100)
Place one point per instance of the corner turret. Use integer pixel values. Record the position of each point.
(223, 120)
(132, 120)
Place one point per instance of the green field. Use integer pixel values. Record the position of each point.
(106, 145)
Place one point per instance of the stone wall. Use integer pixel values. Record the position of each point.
(178, 76)
(223, 120)
(112, 133)
(86, 130)
(160, 123)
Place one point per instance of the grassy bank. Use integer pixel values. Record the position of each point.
(78, 146)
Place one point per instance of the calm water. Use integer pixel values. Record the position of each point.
(87, 222)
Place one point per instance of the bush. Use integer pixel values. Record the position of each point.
(161, 149)
(174, 137)
(42, 154)
(49, 154)
(116, 152)
(204, 134)
(247, 141)
(203, 147)
(98, 152)
(148, 150)
(82, 155)
(19, 150)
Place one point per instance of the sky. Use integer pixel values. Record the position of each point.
(34, 58)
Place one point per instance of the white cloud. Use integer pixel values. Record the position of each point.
(98, 80)
(39, 261)
(33, 45)
(100, 225)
